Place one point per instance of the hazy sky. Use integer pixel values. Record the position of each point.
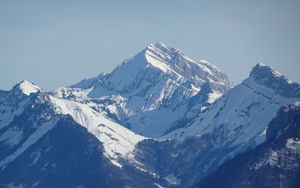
(56, 43)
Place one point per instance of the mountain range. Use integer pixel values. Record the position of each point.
(159, 119)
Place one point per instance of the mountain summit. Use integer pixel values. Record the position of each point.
(159, 60)
(150, 92)
(26, 87)
(272, 79)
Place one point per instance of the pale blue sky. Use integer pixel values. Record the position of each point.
(54, 43)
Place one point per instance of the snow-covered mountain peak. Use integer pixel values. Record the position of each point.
(158, 63)
(147, 90)
(174, 62)
(267, 76)
(171, 55)
(26, 88)
(166, 56)
(162, 48)
(261, 71)
(159, 45)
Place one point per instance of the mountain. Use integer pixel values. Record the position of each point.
(151, 91)
(51, 142)
(275, 163)
(160, 119)
(235, 123)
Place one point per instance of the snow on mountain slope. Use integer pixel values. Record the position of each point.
(162, 61)
(90, 82)
(76, 94)
(154, 87)
(239, 119)
(118, 141)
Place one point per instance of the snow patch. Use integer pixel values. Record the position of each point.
(212, 97)
(159, 186)
(297, 103)
(293, 144)
(27, 87)
(273, 159)
(172, 179)
(35, 156)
